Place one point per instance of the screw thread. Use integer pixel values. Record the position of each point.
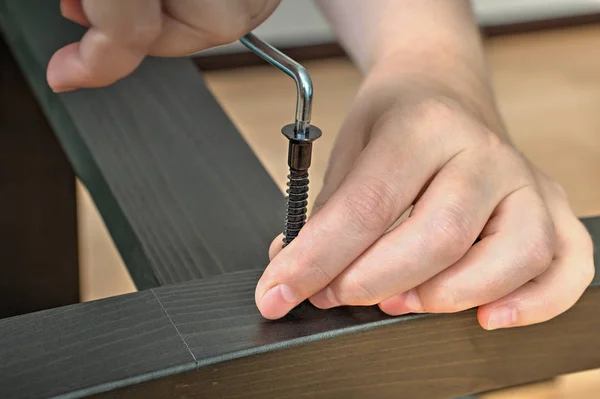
(297, 201)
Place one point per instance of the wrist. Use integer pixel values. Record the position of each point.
(443, 75)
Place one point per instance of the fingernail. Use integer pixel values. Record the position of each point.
(502, 317)
(325, 299)
(277, 302)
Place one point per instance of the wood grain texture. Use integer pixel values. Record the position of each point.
(428, 357)
(38, 228)
(80, 349)
(206, 339)
(174, 181)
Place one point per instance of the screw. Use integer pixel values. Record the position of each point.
(299, 159)
(300, 134)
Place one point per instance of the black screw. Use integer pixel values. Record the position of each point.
(299, 159)
(297, 201)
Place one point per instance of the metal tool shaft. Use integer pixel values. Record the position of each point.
(294, 70)
(300, 134)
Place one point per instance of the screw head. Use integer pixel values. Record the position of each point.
(311, 134)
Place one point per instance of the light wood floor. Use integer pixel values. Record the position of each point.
(548, 89)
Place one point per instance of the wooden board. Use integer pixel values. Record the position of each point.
(174, 181)
(434, 357)
(88, 347)
(206, 339)
(38, 265)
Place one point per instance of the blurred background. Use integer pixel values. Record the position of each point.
(299, 22)
(544, 57)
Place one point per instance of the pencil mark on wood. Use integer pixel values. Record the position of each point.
(84, 347)
(174, 326)
(139, 345)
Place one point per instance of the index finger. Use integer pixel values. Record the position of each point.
(386, 178)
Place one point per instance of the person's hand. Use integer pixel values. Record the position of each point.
(413, 144)
(122, 32)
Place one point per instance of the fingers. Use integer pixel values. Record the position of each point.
(276, 246)
(112, 48)
(442, 227)
(545, 297)
(559, 288)
(516, 246)
(73, 11)
(188, 29)
(386, 178)
(346, 150)
(122, 33)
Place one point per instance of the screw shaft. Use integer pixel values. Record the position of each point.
(297, 202)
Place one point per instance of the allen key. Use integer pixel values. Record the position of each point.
(300, 134)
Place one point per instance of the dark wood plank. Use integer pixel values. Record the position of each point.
(38, 226)
(81, 349)
(432, 356)
(345, 352)
(176, 184)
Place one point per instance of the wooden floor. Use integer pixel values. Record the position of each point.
(548, 89)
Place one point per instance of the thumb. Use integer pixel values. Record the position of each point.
(276, 246)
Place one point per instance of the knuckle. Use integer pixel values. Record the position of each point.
(140, 34)
(494, 143)
(540, 249)
(145, 33)
(441, 298)
(433, 108)
(309, 267)
(314, 271)
(355, 291)
(228, 27)
(503, 153)
(557, 189)
(586, 240)
(371, 207)
(225, 33)
(220, 30)
(588, 272)
(449, 233)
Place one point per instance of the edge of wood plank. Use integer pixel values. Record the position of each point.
(219, 336)
(235, 374)
(211, 375)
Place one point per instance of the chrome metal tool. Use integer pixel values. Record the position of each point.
(300, 134)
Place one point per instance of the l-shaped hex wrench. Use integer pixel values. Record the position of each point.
(300, 134)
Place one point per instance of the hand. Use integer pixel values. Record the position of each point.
(413, 144)
(121, 33)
